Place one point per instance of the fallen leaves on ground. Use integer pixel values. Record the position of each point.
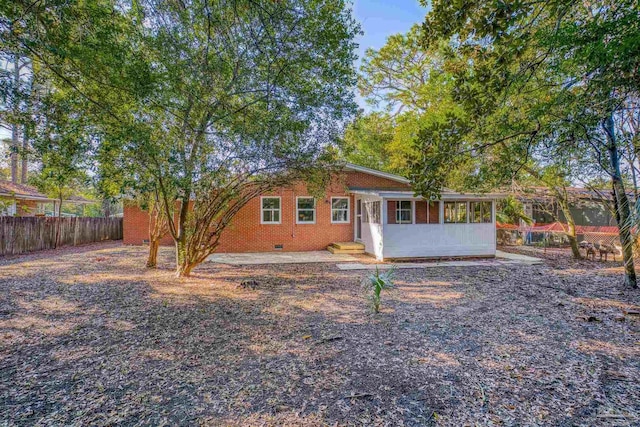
(89, 336)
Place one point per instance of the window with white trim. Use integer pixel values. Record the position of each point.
(455, 212)
(487, 212)
(41, 208)
(305, 210)
(340, 210)
(404, 212)
(270, 210)
(480, 212)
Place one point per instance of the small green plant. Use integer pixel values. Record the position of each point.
(376, 284)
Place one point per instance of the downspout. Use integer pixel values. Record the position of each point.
(293, 222)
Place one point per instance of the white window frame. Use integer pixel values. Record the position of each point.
(400, 209)
(41, 208)
(262, 209)
(315, 213)
(10, 209)
(348, 199)
(483, 211)
(455, 212)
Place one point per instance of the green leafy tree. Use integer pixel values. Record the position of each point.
(511, 211)
(60, 146)
(216, 102)
(412, 89)
(533, 77)
(367, 141)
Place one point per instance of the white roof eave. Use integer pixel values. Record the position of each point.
(25, 197)
(410, 195)
(42, 199)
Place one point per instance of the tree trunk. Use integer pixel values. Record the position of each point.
(158, 228)
(573, 241)
(152, 260)
(571, 224)
(621, 203)
(106, 208)
(183, 267)
(14, 127)
(25, 144)
(14, 154)
(183, 264)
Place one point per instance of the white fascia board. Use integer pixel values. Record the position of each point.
(408, 195)
(24, 197)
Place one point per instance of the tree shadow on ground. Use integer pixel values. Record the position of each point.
(93, 338)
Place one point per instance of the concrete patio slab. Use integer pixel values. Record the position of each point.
(518, 257)
(255, 258)
(501, 259)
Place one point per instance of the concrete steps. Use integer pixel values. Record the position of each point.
(346, 248)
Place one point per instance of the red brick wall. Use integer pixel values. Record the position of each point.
(135, 226)
(26, 207)
(421, 212)
(363, 180)
(392, 205)
(434, 212)
(246, 234)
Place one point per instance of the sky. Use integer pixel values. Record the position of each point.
(382, 18)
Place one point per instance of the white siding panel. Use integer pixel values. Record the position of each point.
(372, 239)
(439, 240)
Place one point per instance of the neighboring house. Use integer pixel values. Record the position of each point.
(588, 207)
(378, 210)
(25, 200)
(592, 212)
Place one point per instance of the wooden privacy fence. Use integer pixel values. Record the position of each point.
(26, 234)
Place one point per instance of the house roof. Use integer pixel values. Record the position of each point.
(28, 192)
(579, 193)
(20, 191)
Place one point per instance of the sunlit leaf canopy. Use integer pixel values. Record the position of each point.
(210, 101)
(227, 85)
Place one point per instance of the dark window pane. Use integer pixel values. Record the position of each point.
(449, 212)
(306, 203)
(305, 216)
(340, 203)
(461, 212)
(476, 211)
(271, 203)
(339, 216)
(486, 212)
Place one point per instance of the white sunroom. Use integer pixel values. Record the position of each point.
(396, 224)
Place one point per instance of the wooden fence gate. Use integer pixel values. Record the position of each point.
(27, 234)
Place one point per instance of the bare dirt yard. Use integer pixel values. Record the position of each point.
(90, 337)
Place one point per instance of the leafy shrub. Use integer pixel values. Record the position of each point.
(376, 284)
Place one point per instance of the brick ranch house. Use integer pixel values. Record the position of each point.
(374, 209)
(24, 200)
